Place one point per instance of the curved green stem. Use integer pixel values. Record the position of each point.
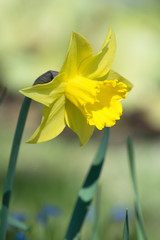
(44, 78)
(12, 165)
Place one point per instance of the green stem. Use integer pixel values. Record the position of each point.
(44, 78)
(12, 166)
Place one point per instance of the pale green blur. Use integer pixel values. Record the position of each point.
(34, 36)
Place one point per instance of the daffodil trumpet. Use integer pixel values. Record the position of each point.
(85, 94)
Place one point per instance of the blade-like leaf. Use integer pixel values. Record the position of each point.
(87, 191)
(126, 227)
(139, 219)
(95, 232)
(16, 223)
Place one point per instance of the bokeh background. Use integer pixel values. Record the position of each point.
(34, 39)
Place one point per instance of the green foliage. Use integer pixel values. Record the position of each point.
(87, 191)
(12, 167)
(126, 227)
(16, 223)
(96, 219)
(139, 219)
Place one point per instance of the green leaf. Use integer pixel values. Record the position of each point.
(139, 219)
(95, 231)
(16, 223)
(87, 191)
(126, 227)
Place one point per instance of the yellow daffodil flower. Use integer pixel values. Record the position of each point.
(85, 94)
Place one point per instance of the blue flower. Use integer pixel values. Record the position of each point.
(20, 236)
(20, 216)
(119, 212)
(48, 211)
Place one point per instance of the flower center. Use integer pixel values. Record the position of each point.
(81, 91)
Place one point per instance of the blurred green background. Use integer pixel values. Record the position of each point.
(34, 39)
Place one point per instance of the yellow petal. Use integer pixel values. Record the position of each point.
(99, 65)
(81, 90)
(108, 109)
(112, 75)
(52, 123)
(79, 49)
(78, 123)
(46, 93)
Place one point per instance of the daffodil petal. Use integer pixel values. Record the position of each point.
(46, 93)
(81, 90)
(52, 123)
(108, 108)
(78, 123)
(99, 65)
(111, 75)
(79, 49)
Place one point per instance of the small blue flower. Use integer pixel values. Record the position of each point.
(119, 212)
(20, 216)
(49, 210)
(20, 236)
